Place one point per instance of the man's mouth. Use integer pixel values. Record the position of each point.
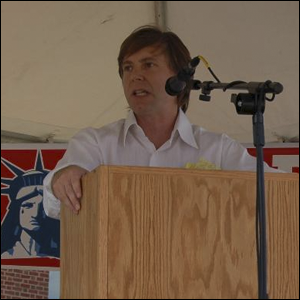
(140, 92)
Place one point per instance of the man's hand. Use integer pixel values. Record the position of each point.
(66, 186)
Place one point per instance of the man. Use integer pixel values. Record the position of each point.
(156, 131)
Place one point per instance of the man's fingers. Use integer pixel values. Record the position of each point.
(72, 197)
(66, 186)
(76, 184)
(63, 197)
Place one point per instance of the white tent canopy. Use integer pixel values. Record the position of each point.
(59, 61)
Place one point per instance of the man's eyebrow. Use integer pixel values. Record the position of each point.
(150, 58)
(126, 62)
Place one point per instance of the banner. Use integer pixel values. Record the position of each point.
(283, 156)
(29, 238)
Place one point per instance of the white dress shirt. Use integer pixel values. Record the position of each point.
(124, 143)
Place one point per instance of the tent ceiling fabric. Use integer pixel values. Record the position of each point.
(59, 61)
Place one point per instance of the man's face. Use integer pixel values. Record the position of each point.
(30, 208)
(144, 77)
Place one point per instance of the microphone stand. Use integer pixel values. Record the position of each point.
(251, 103)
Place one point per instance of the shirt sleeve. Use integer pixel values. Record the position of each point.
(83, 150)
(236, 157)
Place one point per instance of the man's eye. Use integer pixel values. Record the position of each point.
(149, 64)
(127, 68)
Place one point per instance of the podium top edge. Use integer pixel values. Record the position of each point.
(194, 172)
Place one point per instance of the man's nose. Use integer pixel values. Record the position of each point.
(138, 75)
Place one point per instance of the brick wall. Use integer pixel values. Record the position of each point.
(24, 284)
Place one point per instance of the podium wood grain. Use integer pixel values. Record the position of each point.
(170, 233)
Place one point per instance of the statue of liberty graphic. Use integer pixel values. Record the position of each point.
(26, 231)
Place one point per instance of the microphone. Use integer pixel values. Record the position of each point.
(176, 84)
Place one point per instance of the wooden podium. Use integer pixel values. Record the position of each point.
(148, 233)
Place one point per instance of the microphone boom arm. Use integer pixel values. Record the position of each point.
(251, 87)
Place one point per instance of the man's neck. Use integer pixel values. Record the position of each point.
(158, 128)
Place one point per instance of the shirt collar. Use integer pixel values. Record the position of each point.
(185, 129)
(130, 121)
(182, 125)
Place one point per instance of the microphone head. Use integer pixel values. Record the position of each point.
(174, 86)
(194, 62)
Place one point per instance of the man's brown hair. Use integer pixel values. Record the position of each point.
(176, 52)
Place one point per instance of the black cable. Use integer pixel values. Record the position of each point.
(272, 98)
(232, 84)
(201, 58)
(213, 74)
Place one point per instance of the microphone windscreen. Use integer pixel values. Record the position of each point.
(174, 86)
